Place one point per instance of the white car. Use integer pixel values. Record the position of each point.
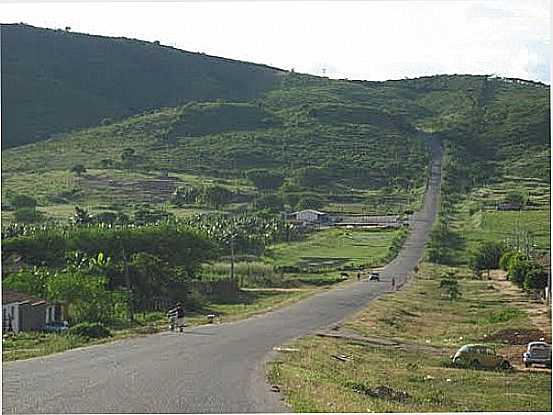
(537, 353)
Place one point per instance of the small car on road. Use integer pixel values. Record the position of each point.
(537, 353)
(374, 276)
(479, 356)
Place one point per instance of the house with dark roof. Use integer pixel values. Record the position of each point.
(23, 312)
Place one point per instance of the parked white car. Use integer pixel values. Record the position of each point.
(537, 353)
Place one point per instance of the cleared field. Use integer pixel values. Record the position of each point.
(505, 226)
(327, 249)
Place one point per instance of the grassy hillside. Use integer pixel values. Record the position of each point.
(54, 81)
(345, 146)
(311, 131)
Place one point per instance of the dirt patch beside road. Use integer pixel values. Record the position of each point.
(517, 340)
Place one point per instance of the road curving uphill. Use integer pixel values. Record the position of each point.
(209, 369)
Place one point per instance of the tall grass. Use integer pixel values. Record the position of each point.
(250, 274)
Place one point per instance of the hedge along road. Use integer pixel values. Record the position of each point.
(208, 369)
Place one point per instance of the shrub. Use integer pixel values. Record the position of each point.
(78, 169)
(487, 256)
(23, 201)
(90, 330)
(515, 198)
(106, 217)
(87, 296)
(536, 278)
(505, 260)
(265, 179)
(444, 244)
(310, 202)
(271, 202)
(27, 215)
(450, 285)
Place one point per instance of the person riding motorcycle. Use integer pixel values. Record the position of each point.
(176, 317)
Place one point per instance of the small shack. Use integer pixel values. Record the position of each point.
(23, 312)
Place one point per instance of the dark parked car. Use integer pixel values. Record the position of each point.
(537, 353)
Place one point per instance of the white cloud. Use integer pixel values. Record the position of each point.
(374, 40)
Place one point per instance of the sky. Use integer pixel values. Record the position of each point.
(371, 40)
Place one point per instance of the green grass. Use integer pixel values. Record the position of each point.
(430, 328)
(476, 220)
(332, 248)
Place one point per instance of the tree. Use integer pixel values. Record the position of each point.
(184, 195)
(443, 244)
(516, 198)
(265, 179)
(105, 163)
(215, 196)
(78, 169)
(487, 256)
(33, 282)
(536, 278)
(506, 258)
(23, 201)
(312, 176)
(519, 267)
(106, 217)
(149, 277)
(450, 285)
(82, 217)
(127, 154)
(86, 295)
(310, 202)
(271, 202)
(27, 215)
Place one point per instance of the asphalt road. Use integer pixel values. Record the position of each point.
(209, 369)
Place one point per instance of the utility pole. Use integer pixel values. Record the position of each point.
(130, 315)
(232, 256)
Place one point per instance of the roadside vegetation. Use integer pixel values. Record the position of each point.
(394, 356)
(481, 282)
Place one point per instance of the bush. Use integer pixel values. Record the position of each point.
(536, 278)
(310, 202)
(506, 259)
(27, 215)
(271, 202)
(78, 169)
(487, 256)
(90, 330)
(265, 179)
(516, 198)
(23, 201)
(444, 244)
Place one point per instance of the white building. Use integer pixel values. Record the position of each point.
(309, 216)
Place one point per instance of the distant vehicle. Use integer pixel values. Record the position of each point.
(57, 326)
(537, 353)
(374, 276)
(479, 356)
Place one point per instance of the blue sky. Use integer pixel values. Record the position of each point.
(374, 40)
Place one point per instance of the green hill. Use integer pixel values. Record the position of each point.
(354, 146)
(55, 81)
